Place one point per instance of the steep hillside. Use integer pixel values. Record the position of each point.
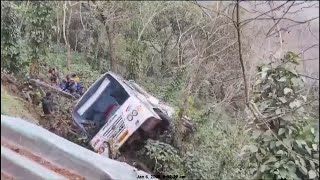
(13, 105)
(235, 68)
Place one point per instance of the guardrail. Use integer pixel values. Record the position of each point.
(28, 150)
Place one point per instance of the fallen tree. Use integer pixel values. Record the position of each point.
(52, 89)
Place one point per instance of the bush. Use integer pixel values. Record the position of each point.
(286, 143)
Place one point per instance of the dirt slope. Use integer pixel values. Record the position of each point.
(13, 105)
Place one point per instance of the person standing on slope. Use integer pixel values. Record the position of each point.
(48, 109)
(54, 76)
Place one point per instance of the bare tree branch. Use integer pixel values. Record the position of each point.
(288, 19)
(309, 27)
(202, 7)
(250, 20)
(309, 77)
(150, 19)
(307, 49)
(80, 14)
(280, 18)
(226, 47)
(298, 23)
(294, 12)
(278, 28)
(273, 117)
(240, 54)
(312, 59)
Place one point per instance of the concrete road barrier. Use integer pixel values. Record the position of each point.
(23, 168)
(62, 152)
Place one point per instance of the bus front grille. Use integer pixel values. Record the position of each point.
(115, 128)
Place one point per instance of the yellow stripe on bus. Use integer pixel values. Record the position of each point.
(123, 136)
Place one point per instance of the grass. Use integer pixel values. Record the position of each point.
(15, 106)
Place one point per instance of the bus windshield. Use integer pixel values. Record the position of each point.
(102, 100)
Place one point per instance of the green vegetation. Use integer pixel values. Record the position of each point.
(15, 106)
(287, 141)
(185, 57)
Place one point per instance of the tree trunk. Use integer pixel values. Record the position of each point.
(112, 56)
(185, 106)
(51, 88)
(65, 35)
(97, 62)
(58, 25)
(68, 57)
(180, 54)
(34, 69)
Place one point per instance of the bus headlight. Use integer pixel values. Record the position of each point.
(129, 117)
(132, 113)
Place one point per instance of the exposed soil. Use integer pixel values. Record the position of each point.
(25, 110)
(59, 124)
(40, 160)
(5, 176)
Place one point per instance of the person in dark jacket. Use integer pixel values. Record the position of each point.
(63, 84)
(54, 76)
(66, 84)
(47, 104)
(72, 86)
(48, 107)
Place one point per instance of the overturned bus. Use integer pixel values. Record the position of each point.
(121, 112)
